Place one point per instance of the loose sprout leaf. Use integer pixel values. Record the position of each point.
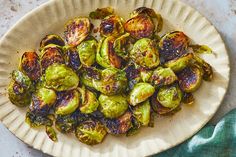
(101, 13)
(51, 133)
(201, 49)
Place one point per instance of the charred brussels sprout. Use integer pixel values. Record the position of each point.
(113, 81)
(121, 45)
(146, 75)
(20, 89)
(73, 59)
(52, 39)
(145, 53)
(51, 54)
(106, 56)
(101, 13)
(87, 52)
(188, 98)
(140, 93)
(90, 132)
(89, 76)
(142, 113)
(173, 45)
(36, 120)
(190, 79)
(68, 102)
(60, 77)
(30, 65)
(163, 76)
(89, 101)
(133, 75)
(113, 106)
(111, 26)
(66, 123)
(76, 30)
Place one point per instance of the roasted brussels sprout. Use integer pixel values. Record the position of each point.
(133, 75)
(162, 76)
(180, 63)
(188, 98)
(68, 102)
(72, 59)
(101, 13)
(135, 127)
(51, 54)
(173, 45)
(145, 53)
(36, 120)
(121, 45)
(90, 132)
(111, 26)
(113, 81)
(87, 52)
(51, 39)
(140, 93)
(89, 76)
(106, 56)
(199, 49)
(112, 106)
(142, 113)
(166, 99)
(60, 77)
(30, 65)
(76, 30)
(89, 101)
(51, 133)
(190, 79)
(42, 100)
(20, 89)
(66, 123)
(146, 75)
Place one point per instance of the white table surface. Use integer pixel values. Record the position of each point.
(222, 13)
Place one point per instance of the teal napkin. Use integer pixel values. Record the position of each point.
(211, 141)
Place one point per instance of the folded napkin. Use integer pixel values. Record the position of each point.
(211, 141)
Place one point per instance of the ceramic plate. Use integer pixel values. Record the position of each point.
(168, 131)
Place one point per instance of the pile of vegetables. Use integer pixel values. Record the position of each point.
(115, 85)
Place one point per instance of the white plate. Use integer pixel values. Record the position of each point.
(168, 131)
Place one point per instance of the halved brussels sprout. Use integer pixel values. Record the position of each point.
(51, 54)
(90, 132)
(52, 39)
(188, 98)
(140, 93)
(113, 81)
(119, 125)
(101, 13)
(66, 123)
(89, 102)
(166, 99)
(111, 26)
(90, 75)
(133, 75)
(145, 53)
(87, 52)
(146, 75)
(180, 63)
(72, 58)
(140, 26)
(30, 65)
(199, 49)
(120, 45)
(163, 76)
(42, 100)
(20, 89)
(106, 56)
(190, 79)
(68, 102)
(112, 106)
(173, 45)
(76, 30)
(60, 77)
(36, 120)
(142, 113)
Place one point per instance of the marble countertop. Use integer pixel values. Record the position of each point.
(221, 13)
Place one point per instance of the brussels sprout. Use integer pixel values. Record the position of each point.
(111, 26)
(66, 123)
(73, 59)
(90, 132)
(145, 53)
(112, 106)
(42, 100)
(76, 30)
(133, 75)
(120, 45)
(140, 26)
(89, 102)
(51, 133)
(30, 65)
(179, 64)
(51, 54)
(142, 113)
(190, 79)
(188, 98)
(52, 39)
(87, 52)
(140, 93)
(145, 75)
(163, 76)
(113, 81)
(173, 45)
(101, 13)
(106, 56)
(22, 79)
(199, 49)
(67, 103)
(36, 120)
(135, 127)
(60, 77)
(90, 75)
